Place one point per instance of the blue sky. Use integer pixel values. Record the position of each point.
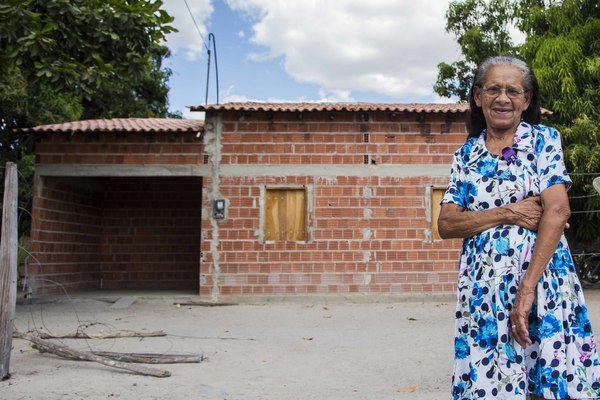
(309, 50)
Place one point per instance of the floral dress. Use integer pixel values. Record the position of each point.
(562, 362)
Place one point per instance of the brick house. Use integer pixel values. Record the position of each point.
(116, 205)
(270, 200)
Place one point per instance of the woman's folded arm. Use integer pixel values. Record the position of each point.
(456, 222)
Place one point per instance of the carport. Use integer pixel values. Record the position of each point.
(117, 205)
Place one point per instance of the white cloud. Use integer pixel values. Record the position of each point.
(188, 39)
(335, 96)
(390, 47)
(230, 96)
(439, 99)
(518, 37)
(188, 114)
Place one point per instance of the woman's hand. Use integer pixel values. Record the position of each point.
(556, 212)
(527, 212)
(456, 222)
(519, 316)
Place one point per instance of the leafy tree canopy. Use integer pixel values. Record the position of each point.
(481, 29)
(82, 58)
(66, 60)
(563, 48)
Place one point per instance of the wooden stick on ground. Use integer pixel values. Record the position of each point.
(102, 335)
(149, 358)
(72, 354)
(204, 304)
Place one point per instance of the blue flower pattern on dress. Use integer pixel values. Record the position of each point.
(562, 362)
(549, 327)
(461, 347)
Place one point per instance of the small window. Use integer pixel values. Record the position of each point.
(285, 214)
(436, 199)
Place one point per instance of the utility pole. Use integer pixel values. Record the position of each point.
(8, 267)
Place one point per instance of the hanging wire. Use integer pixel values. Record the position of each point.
(197, 28)
(587, 196)
(211, 38)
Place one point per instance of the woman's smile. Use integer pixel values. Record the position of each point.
(502, 111)
(502, 99)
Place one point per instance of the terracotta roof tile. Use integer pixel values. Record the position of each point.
(357, 107)
(121, 125)
(307, 107)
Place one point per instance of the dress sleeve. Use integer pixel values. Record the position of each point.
(551, 166)
(455, 192)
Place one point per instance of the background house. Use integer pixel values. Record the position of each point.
(327, 198)
(116, 205)
(271, 200)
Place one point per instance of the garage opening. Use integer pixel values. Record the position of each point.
(116, 233)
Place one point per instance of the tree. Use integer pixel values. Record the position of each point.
(85, 52)
(65, 60)
(563, 49)
(481, 29)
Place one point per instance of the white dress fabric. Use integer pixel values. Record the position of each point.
(562, 362)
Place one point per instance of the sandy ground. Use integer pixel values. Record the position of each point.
(309, 349)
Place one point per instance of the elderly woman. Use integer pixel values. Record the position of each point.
(522, 327)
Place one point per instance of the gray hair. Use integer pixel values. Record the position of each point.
(485, 66)
(476, 120)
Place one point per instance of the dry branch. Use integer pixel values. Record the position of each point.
(45, 346)
(102, 335)
(204, 304)
(149, 358)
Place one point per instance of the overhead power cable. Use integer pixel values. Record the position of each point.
(196, 25)
(211, 37)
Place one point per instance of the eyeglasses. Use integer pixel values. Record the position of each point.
(511, 92)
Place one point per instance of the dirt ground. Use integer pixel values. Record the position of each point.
(309, 349)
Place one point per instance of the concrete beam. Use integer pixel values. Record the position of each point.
(121, 170)
(388, 170)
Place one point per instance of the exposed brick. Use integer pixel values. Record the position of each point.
(396, 221)
(115, 239)
(133, 148)
(366, 233)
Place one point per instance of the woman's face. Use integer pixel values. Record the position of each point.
(502, 97)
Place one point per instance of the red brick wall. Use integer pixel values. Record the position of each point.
(339, 138)
(65, 237)
(117, 149)
(368, 232)
(367, 220)
(151, 233)
(116, 233)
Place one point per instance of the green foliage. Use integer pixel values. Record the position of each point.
(563, 48)
(23, 252)
(90, 52)
(481, 28)
(581, 143)
(65, 60)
